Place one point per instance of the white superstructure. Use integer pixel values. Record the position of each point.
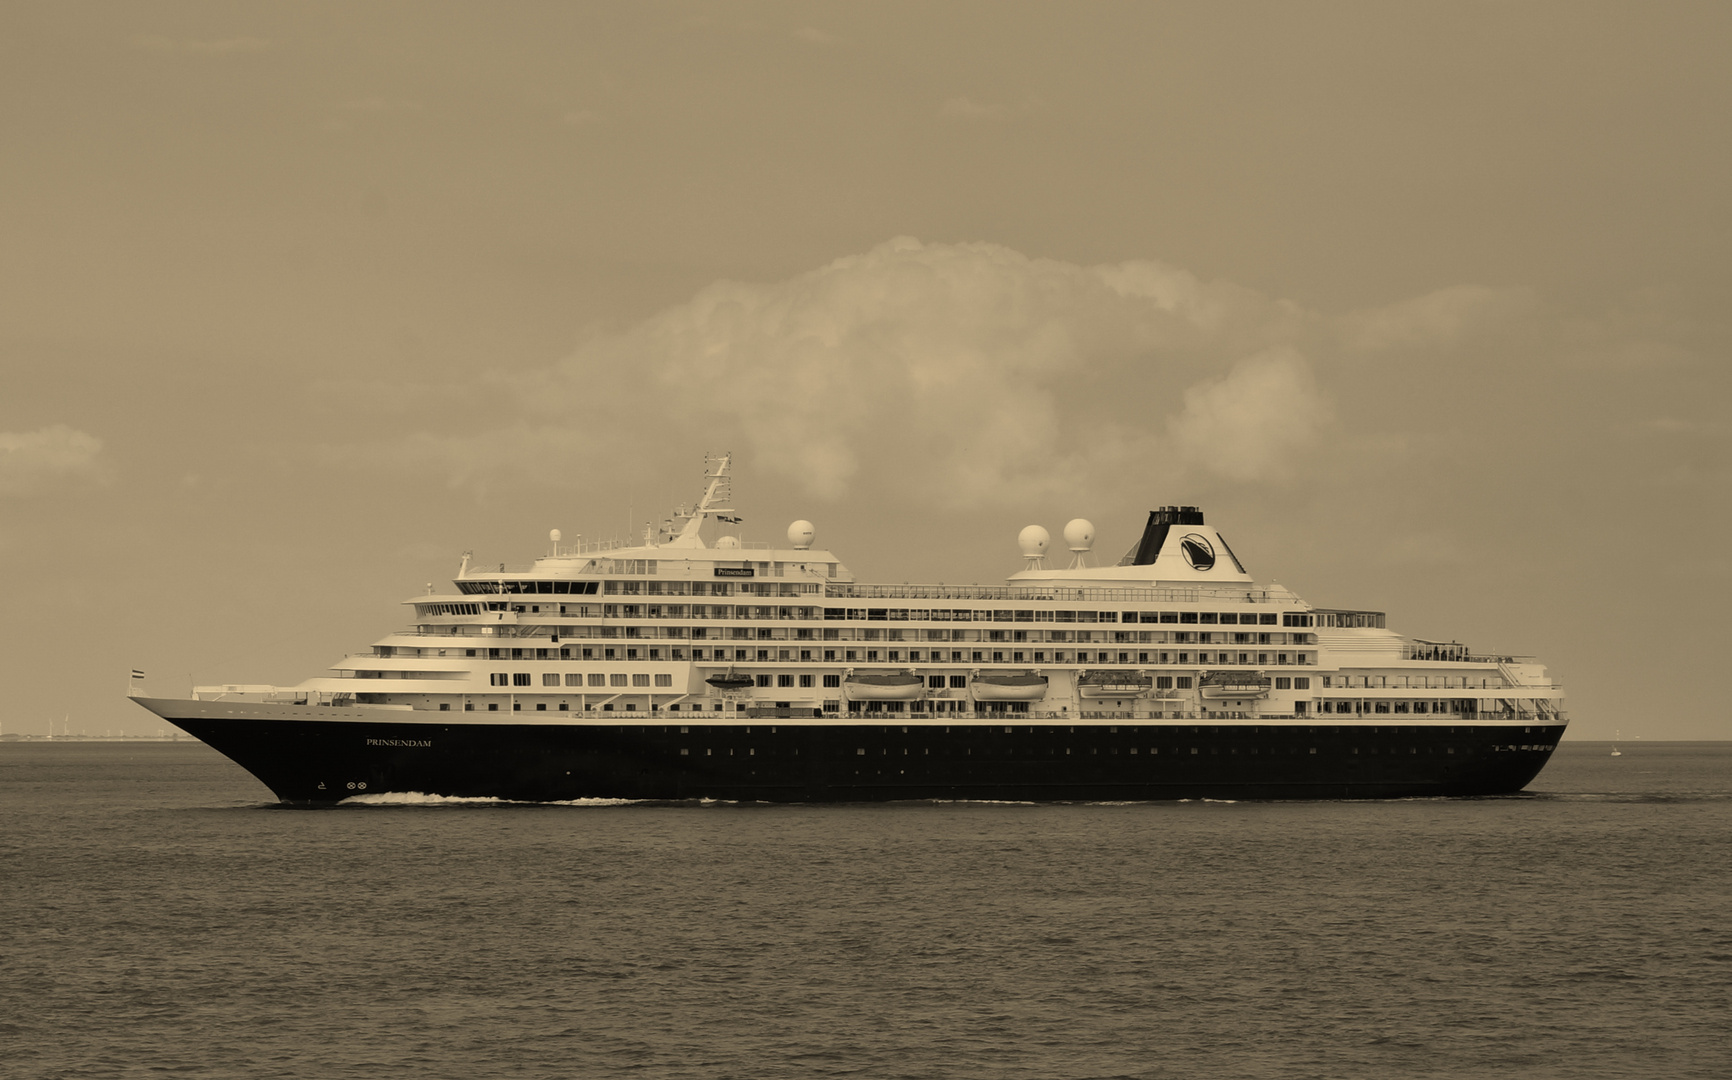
(676, 625)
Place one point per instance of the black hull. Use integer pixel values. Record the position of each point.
(325, 761)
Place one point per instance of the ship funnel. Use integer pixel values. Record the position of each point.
(1155, 532)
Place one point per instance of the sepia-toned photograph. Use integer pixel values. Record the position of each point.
(960, 541)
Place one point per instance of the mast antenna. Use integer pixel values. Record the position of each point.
(716, 502)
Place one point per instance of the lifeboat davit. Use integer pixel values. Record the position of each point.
(730, 681)
(1008, 687)
(899, 687)
(1233, 686)
(1114, 684)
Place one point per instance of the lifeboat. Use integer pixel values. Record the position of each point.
(1233, 686)
(1114, 684)
(731, 681)
(898, 687)
(1008, 687)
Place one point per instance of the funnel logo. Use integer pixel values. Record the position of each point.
(1198, 551)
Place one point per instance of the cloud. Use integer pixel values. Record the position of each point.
(1249, 425)
(36, 460)
(378, 106)
(967, 109)
(1423, 549)
(963, 373)
(951, 375)
(475, 461)
(350, 113)
(1436, 318)
(220, 47)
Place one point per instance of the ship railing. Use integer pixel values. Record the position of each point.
(1033, 593)
(1449, 652)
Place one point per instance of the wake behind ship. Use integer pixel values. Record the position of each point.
(686, 668)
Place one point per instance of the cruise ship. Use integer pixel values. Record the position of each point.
(693, 664)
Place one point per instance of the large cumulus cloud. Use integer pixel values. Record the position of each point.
(972, 372)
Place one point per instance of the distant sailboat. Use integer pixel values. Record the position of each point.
(1616, 735)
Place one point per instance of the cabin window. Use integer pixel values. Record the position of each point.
(959, 682)
(550, 679)
(1183, 682)
(616, 680)
(598, 680)
(521, 678)
(1302, 682)
(806, 680)
(832, 681)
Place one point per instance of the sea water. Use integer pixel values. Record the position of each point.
(159, 916)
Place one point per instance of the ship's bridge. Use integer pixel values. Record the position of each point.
(675, 548)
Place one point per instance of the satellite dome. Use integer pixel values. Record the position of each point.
(554, 535)
(727, 541)
(1079, 535)
(1033, 541)
(800, 534)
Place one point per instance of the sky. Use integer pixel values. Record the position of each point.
(1424, 304)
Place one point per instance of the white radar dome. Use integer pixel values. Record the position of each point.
(554, 535)
(1079, 535)
(800, 534)
(1033, 541)
(727, 541)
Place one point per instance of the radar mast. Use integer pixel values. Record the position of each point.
(718, 494)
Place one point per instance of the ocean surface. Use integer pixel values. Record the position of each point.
(159, 917)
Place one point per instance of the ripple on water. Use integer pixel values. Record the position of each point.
(159, 923)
